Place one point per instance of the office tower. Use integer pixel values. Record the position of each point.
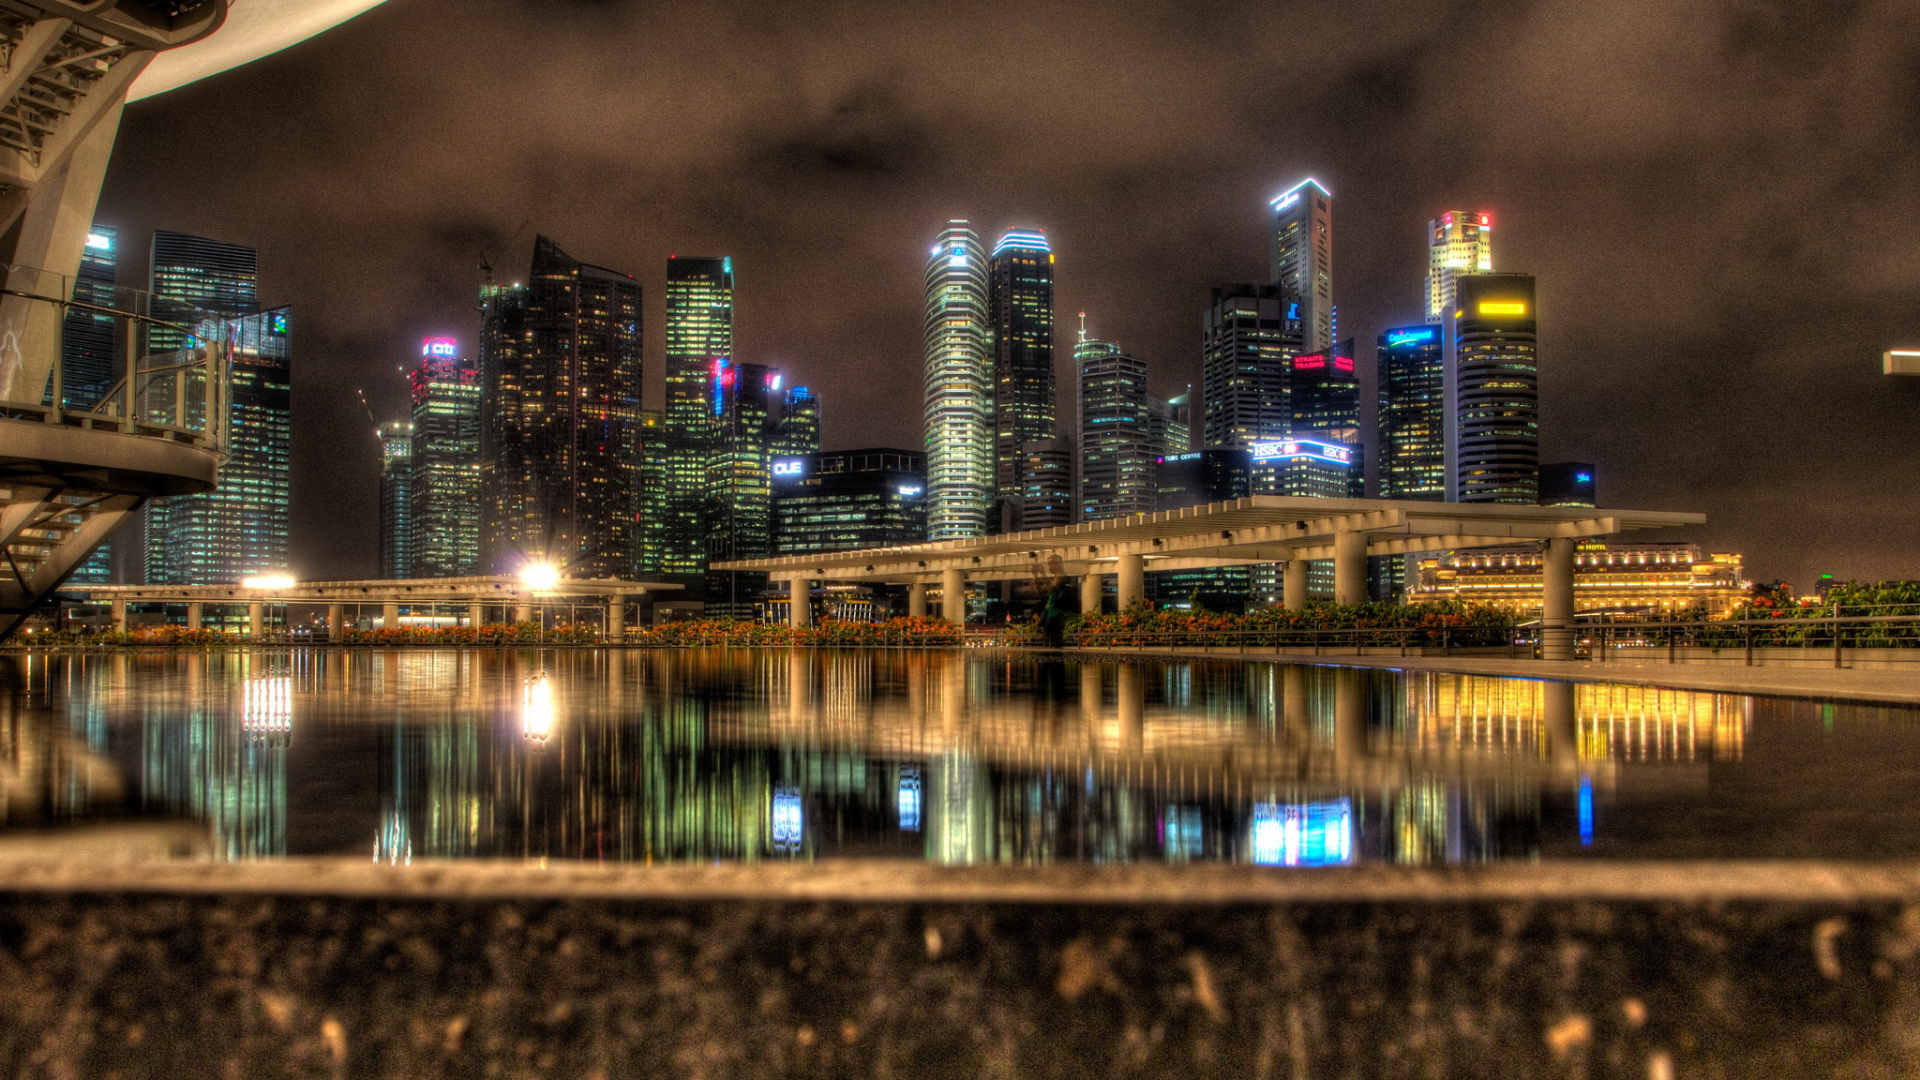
(1302, 258)
(190, 273)
(1568, 483)
(86, 345)
(739, 509)
(1196, 478)
(699, 332)
(1413, 414)
(799, 429)
(396, 499)
(1325, 394)
(1021, 301)
(849, 499)
(445, 389)
(240, 529)
(1046, 484)
(1249, 331)
(651, 520)
(1458, 243)
(560, 419)
(1118, 453)
(959, 387)
(1304, 468)
(1494, 364)
(1170, 423)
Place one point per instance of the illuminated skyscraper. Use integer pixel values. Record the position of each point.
(1493, 351)
(1250, 332)
(240, 529)
(699, 332)
(651, 520)
(959, 413)
(798, 431)
(560, 363)
(1302, 258)
(1118, 453)
(740, 482)
(446, 462)
(848, 499)
(87, 364)
(396, 499)
(1413, 414)
(1021, 300)
(1458, 243)
(1324, 392)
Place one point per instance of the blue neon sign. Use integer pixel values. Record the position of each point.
(1397, 338)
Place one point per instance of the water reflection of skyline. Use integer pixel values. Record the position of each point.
(960, 758)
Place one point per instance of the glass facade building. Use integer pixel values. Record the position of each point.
(740, 482)
(396, 499)
(1413, 414)
(87, 363)
(849, 499)
(1249, 333)
(1301, 258)
(1324, 391)
(1568, 483)
(239, 530)
(1196, 478)
(1458, 243)
(445, 389)
(959, 403)
(1118, 451)
(799, 429)
(560, 365)
(699, 332)
(191, 272)
(1493, 341)
(1021, 299)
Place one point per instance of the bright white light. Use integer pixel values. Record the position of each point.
(98, 242)
(268, 704)
(536, 708)
(539, 576)
(269, 581)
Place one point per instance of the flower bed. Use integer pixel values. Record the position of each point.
(1462, 625)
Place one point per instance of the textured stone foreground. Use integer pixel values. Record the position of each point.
(325, 968)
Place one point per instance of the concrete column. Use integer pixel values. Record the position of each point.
(1562, 727)
(1349, 716)
(1092, 584)
(390, 615)
(1556, 622)
(799, 603)
(476, 614)
(256, 619)
(1349, 567)
(336, 622)
(617, 618)
(523, 613)
(1293, 584)
(1133, 581)
(120, 613)
(953, 597)
(917, 599)
(195, 615)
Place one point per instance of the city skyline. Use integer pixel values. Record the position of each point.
(821, 201)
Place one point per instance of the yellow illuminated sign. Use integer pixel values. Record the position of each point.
(1503, 307)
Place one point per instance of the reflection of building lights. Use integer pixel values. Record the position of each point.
(910, 798)
(787, 819)
(540, 576)
(268, 705)
(268, 581)
(536, 708)
(1586, 811)
(393, 845)
(1309, 834)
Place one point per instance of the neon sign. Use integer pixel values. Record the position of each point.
(790, 467)
(909, 489)
(1584, 478)
(1293, 311)
(1305, 834)
(1309, 363)
(440, 346)
(98, 242)
(1343, 363)
(1502, 307)
(1397, 338)
(1298, 448)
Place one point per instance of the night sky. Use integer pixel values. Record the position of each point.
(1719, 200)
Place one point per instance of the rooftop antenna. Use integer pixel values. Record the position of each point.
(486, 258)
(1083, 328)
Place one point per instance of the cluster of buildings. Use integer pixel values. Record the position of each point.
(534, 446)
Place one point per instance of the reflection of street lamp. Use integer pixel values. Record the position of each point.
(536, 708)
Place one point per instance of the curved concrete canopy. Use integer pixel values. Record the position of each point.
(254, 28)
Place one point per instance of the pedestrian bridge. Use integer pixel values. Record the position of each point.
(1263, 529)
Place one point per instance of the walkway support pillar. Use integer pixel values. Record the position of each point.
(523, 612)
(1293, 584)
(799, 603)
(616, 618)
(1556, 621)
(390, 615)
(256, 619)
(1133, 581)
(1349, 567)
(336, 622)
(1092, 584)
(120, 614)
(953, 597)
(917, 600)
(195, 615)
(476, 614)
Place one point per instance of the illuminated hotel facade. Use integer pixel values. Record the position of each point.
(699, 332)
(1021, 299)
(445, 510)
(1653, 579)
(959, 406)
(1458, 243)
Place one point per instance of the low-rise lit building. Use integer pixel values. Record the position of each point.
(848, 499)
(1634, 579)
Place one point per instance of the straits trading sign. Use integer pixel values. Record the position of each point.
(1302, 448)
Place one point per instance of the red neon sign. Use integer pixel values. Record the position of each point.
(1306, 363)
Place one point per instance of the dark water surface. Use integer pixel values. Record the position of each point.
(954, 757)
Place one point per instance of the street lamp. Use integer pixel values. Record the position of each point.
(540, 576)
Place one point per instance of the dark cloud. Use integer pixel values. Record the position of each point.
(1717, 195)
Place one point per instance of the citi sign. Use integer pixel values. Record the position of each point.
(440, 346)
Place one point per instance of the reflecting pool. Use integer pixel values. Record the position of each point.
(960, 757)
